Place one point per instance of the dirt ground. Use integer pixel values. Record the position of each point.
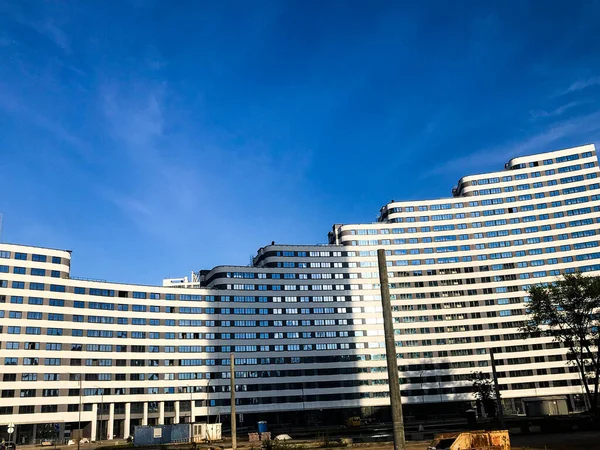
(583, 440)
(588, 440)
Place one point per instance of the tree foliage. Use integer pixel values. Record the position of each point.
(569, 311)
(483, 390)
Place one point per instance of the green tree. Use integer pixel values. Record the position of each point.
(484, 392)
(569, 311)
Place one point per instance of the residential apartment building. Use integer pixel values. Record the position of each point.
(304, 322)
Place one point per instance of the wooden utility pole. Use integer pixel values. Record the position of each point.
(390, 352)
(497, 391)
(233, 419)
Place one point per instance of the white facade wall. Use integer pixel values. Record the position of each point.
(305, 321)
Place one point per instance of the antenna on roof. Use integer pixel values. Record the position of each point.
(1, 219)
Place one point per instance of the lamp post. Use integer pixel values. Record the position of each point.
(208, 403)
(79, 430)
(191, 400)
(422, 391)
(208, 409)
(100, 432)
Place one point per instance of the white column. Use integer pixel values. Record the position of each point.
(127, 422)
(94, 422)
(176, 420)
(192, 415)
(161, 413)
(145, 416)
(111, 420)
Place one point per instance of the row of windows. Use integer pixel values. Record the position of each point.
(488, 202)
(288, 253)
(281, 348)
(464, 226)
(254, 400)
(281, 360)
(493, 245)
(34, 257)
(560, 159)
(102, 292)
(30, 393)
(255, 387)
(304, 322)
(479, 235)
(505, 179)
(156, 335)
(33, 315)
(524, 176)
(463, 237)
(536, 185)
(13, 361)
(491, 212)
(33, 271)
(301, 359)
(492, 256)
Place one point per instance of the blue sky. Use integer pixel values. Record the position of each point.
(153, 138)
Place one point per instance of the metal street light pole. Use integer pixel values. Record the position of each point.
(208, 402)
(207, 410)
(497, 391)
(100, 391)
(80, 400)
(101, 413)
(422, 391)
(439, 382)
(232, 401)
(191, 403)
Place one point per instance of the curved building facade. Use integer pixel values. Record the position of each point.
(304, 322)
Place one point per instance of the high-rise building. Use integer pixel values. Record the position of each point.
(304, 322)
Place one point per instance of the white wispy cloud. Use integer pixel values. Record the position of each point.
(154, 59)
(583, 84)
(42, 24)
(135, 117)
(6, 41)
(541, 113)
(181, 174)
(159, 188)
(49, 29)
(586, 125)
(14, 105)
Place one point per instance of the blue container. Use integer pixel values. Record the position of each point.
(262, 427)
(161, 434)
